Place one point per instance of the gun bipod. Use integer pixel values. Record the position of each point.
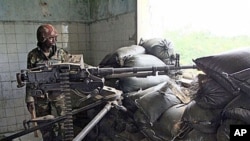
(57, 119)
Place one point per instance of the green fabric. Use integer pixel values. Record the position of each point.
(52, 103)
(37, 56)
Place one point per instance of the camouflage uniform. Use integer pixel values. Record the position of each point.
(53, 100)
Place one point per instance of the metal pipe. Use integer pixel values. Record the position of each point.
(93, 122)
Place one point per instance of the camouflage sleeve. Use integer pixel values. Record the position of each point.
(32, 59)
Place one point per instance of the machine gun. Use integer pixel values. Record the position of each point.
(88, 83)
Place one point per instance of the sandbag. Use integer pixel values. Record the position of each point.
(212, 95)
(138, 94)
(129, 98)
(238, 108)
(145, 127)
(169, 124)
(143, 60)
(241, 79)
(226, 62)
(239, 114)
(154, 104)
(204, 120)
(126, 52)
(241, 100)
(131, 84)
(118, 57)
(159, 47)
(109, 61)
(229, 62)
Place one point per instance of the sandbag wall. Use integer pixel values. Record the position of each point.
(140, 91)
(222, 99)
(161, 115)
(226, 89)
(149, 98)
(152, 52)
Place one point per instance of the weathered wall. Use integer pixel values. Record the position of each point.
(118, 32)
(105, 9)
(113, 25)
(44, 10)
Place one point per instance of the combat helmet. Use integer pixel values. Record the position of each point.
(45, 32)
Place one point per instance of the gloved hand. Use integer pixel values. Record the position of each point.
(30, 106)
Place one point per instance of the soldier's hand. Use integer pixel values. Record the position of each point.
(30, 106)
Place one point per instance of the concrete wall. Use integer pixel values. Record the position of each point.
(44, 10)
(113, 25)
(105, 9)
(93, 33)
(118, 32)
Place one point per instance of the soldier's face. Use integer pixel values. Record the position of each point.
(51, 41)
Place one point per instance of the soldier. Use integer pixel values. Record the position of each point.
(42, 105)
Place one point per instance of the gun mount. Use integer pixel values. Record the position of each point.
(87, 82)
(87, 79)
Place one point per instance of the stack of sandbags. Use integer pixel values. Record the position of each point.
(229, 62)
(130, 84)
(157, 111)
(169, 124)
(158, 47)
(222, 99)
(202, 119)
(155, 103)
(197, 120)
(162, 116)
(162, 49)
(174, 126)
(226, 88)
(236, 112)
(116, 60)
(135, 56)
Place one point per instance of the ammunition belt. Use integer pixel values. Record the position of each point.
(68, 122)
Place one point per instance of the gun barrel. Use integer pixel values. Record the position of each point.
(46, 76)
(138, 71)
